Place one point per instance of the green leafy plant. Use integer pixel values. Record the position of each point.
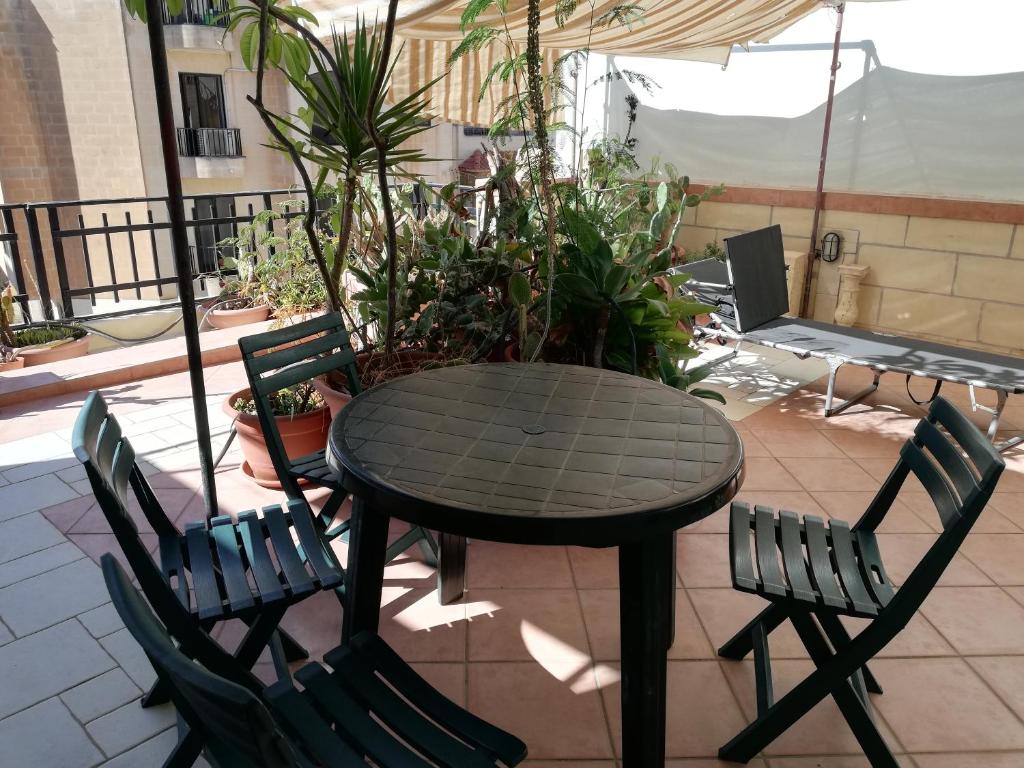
(46, 334)
(291, 402)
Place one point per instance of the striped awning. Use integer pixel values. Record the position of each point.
(429, 31)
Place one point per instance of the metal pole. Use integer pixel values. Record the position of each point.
(179, 244)
(819, 197)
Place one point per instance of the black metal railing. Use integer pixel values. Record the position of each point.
(86, 258)
(209, 142)
(206, 13)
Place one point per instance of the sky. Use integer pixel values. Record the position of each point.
(942, 37)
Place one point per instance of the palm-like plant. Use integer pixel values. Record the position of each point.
(331, 129)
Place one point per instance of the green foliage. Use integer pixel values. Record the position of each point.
(291, 402)
(273, 269)
(137, 8)
(46, 334)
(711, 251)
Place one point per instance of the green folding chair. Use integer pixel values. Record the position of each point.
(291, 355)
(813, 572)
(369, 708)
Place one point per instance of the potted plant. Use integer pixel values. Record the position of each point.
(50, 344)
(9, 359)
(303, 421)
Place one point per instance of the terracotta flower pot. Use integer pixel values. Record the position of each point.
(336, 399)
(230, 318)
(44, 355)
(13, 365)
(409, 361)
(302, 435)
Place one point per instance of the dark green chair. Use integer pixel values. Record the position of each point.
(292, 355)
(369, 708)
(251, 569)
(813, 572)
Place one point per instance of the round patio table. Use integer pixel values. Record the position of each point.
(542, 454)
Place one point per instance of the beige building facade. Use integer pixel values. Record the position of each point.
(78, 122)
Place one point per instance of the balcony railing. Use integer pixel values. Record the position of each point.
(206, 13)
(209, 142)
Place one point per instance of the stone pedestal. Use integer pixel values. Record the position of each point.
(796, 274)
(850, 278)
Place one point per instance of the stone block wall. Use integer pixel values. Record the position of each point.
(951, 271)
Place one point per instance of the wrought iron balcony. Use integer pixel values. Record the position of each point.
(205, 13)
(209, 142)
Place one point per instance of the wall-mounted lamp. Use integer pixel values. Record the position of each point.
(831, 245)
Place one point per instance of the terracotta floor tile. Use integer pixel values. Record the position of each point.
(850, 505)
(962, 713)
(976, 620)
(510, 565)
(752, 446)
(797, 443)
(768, 475)
(823, 730)
(901, 552)
(1006, 676)
(865, 445)
(703, 560)
(595, 568)
(977, 760)
(918, 638)
(755, 763)
(1000, 556)
(991, 519)
(527, 624)
(830, 761)
(830, 475)
(723, 612)
(698, 695)
(1010, 505)
(601, 614)
(556, 709)
(569, 764)
(420, 629)
(449, 679)
(65, 515)
(797, 501)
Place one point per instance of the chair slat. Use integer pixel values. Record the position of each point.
(871, 565)
(292, 376)
(173, 567)
(121, 470)
(739, 545)
(849, 569)
(204, 580)
(250, 528)
(821, 562)
(949, 458)
(941, 494)
(350, 718)
(981, 450)
(330, 321)
(109, 437)
(294, 571)
(793, 557)
(772, 580)
(232, 568)
(401, 718)
(293, 355)
(454, 718)
(86, 431)
(323, 562)
(314, 734)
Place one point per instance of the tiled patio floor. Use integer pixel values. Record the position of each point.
(533, 646)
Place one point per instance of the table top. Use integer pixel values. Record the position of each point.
(536, 453)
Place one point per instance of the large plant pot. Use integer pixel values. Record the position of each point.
(231, 318)
(13, 365)
(44, 355)
(302, 435)
(408, 361)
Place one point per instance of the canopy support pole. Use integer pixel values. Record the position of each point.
(179, 246)
(819, 197)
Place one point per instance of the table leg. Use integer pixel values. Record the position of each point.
(364, 579)
(451, 568)
(646, 576)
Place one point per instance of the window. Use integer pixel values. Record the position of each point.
(202, 101)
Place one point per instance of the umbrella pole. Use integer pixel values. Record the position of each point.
(819, 196)
(179, 245)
